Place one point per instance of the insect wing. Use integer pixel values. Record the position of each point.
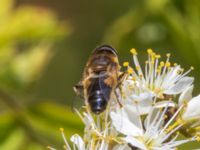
(78, 100)
(77, 103)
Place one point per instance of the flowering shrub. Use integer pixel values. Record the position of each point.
(156, 107)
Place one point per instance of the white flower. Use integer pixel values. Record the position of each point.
(139, 101)
(192, 104)
(191, 113)
(159, 77)
(146, 118)
(154, 135)
(192, 110)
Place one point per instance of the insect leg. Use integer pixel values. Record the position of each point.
(121, 78)
(117, 98)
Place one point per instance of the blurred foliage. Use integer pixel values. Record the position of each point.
(40, 61)
(162, 25)
(27, 37)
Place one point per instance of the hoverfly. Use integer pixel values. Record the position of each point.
(101, 77)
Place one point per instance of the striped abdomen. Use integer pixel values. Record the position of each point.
(98, 94)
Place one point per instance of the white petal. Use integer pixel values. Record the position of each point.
(140, 108)
(142, 96)
(165, 104)
(140, 104)
(193, 109)
(180, 86)
(123, 125)
(133, 116)
(186, 95)
(172, 74)
(121, 147)
(78, 141)
(135, 142)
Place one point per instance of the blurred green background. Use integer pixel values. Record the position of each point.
(44, 46)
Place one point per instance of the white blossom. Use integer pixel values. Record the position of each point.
(139, 116)
(159, 77)
(192, 104)
(139, 101)
(154, 135)
(192, 109)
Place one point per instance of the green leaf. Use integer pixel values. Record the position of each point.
(14, 141)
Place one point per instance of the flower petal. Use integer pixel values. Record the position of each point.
(133, 116)
(179, 86)
(165, 104)
(192, 110)
(123, 124)
(121, 147)
(186, 95)
(78, 141)
(135, 142)
(140, 104)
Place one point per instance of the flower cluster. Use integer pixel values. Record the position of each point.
(156, 106)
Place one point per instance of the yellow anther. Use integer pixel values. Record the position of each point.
(167, 64)
(133, 51)
(158, 56)
(130, 70)
(126, 64)
(61, 129)
(149, 51)
(137, 68)
(153, 55)
(192, 68)
(134, 78)
(162, 63)
(166, 116)
(175, 64)
(168, 55)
